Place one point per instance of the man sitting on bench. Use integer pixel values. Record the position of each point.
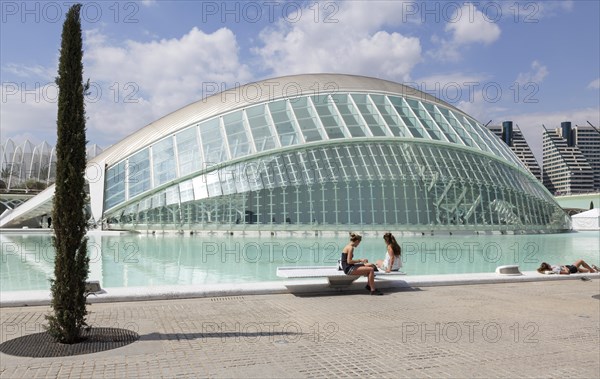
(358, 267)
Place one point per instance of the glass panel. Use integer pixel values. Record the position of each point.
(349, 115)
(456, 126)
(200, 189)
(172, 195)
(227, 179)
(442, 123)
(186, 191)
(259, 126)
(239, 145)
(389, 115)
(306, 119)
(329, 117)
(114, 189)
(188, 151)
(283, 123)
(406, 116)
(422, 117)
(138, 170)
(213, 183)
(369, 114)
(212, 142)
(163, 161)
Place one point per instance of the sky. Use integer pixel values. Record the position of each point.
(534, 63)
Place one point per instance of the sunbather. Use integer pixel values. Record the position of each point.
(568, 269)
(361, 266)
(392, 261)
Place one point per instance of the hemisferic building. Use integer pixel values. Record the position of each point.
(324, 152)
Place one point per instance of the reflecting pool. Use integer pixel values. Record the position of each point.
(134, 260)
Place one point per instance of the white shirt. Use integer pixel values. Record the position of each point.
(386, 262)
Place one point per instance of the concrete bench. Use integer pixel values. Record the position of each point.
(508, 270)
(335, 277)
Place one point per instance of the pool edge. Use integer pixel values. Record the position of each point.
(299, 286)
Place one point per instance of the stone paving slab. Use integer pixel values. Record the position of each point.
(529, 329)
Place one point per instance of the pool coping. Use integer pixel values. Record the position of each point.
(294, 286)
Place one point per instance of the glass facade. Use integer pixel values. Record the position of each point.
(339, 161)
(24, 165)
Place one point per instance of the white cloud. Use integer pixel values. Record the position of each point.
(141, 82)
(35, 72)
(31, 108)
(594, 84)
(536, 75)
(354, 44)
(481, 108)
(468, 25)
(472, 26)
(133, 83)
(541, 9)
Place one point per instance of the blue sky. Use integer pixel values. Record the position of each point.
(531, 62)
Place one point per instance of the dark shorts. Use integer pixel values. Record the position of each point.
(350, 269)
(572, 269)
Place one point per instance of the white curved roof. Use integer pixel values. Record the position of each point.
(252, 94)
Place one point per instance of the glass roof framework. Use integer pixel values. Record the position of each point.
(188, 167)
(412, 184)
(27, 162)
(288, 122)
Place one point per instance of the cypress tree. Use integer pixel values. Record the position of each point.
(71, 264)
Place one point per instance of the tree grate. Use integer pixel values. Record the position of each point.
(42, 345)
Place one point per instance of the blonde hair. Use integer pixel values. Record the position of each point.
(354, 237)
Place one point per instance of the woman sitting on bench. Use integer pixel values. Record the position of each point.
(392, 261)
(360, 267)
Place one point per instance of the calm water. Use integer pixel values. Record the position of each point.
(142, 260)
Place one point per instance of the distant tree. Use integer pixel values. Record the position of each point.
(33, 184)
(71, 264)
(5, 173)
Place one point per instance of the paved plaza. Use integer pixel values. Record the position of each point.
(532, 329)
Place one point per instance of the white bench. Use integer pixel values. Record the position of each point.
(334, 276)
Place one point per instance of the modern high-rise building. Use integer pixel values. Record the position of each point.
(587, 139)
(512, 136)
(571, 159)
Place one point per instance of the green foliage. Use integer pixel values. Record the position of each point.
(33, 184)
(71, 264)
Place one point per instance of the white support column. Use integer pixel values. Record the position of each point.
(95, 175)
